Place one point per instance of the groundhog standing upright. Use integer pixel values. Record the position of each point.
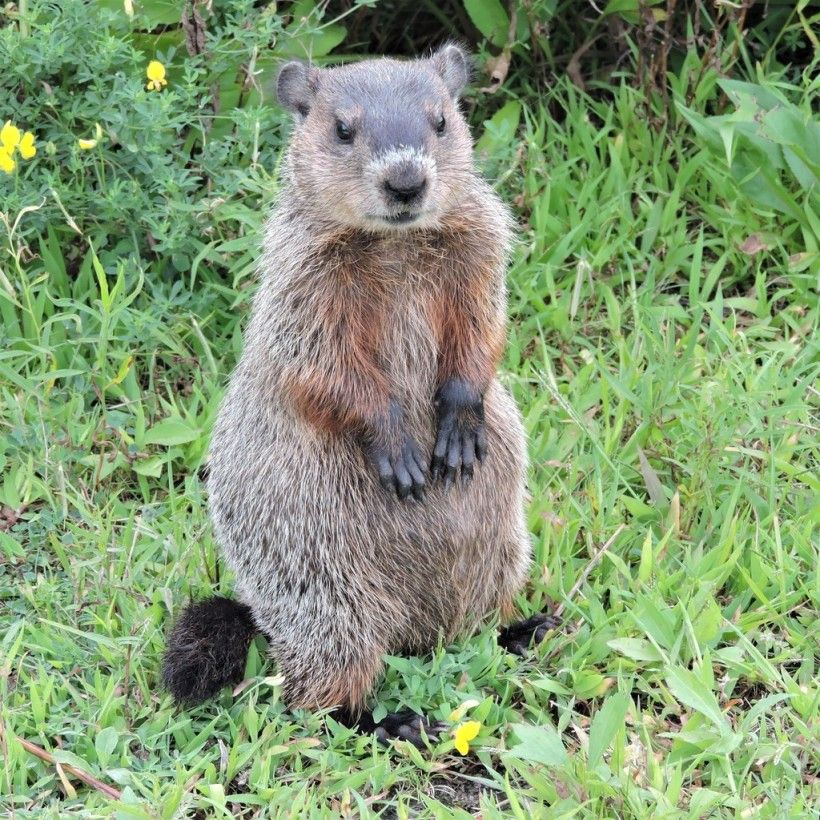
(366, 474)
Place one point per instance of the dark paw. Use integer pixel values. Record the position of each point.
(402, 472)
(408, 726)
(461, 439)
(396, 457)
(518, 637)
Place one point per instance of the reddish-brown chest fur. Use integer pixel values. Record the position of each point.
(397, 316)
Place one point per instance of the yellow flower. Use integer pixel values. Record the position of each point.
(156, 76)
(27, 147)
(464, 733)
(7, 164)
(10, 141)
(87, 145)
(9, 137)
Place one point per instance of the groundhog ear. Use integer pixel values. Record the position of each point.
(453, 65)
(296, 86)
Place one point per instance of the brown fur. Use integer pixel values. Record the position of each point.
(467, 324)
(348, 390)
(346, 686)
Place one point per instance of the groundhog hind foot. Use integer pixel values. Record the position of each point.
(519, 636)
(409, 726)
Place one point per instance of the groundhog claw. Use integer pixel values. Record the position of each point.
(458, 446)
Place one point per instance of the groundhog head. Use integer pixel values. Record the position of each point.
(379, 145)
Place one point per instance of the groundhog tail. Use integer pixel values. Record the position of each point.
(207, 649)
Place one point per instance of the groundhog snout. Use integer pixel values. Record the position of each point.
(405, 183)
(405, 192)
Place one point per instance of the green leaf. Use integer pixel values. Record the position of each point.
(587, 683)
(707, 623)
(639, 510)
(160, 12)
(490, 18)
(608, 719)
(636, 648)
(549, 685)
(105, 743)
(94, 637)
(691, 691)
(538, 744)
(151, 467)
(9, 547)
(171, 431)
(313, 44)
(630, 9)
(500, 129)
(787, 126)
(306, 37)
(738, 90)
(150, 13)
(802, 172)
(647, 555)
(658, 624)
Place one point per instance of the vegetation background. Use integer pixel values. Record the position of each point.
(662, 158)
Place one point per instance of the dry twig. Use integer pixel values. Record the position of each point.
(593, 562)
(85, 777)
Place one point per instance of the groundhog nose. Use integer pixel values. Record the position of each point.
(404, 190)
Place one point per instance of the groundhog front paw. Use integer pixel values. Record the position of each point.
(401, 471)
(462, 437)
(396, 457)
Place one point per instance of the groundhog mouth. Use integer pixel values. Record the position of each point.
(399, 221)
(403, 218)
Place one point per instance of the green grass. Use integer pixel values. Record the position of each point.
(669, 386)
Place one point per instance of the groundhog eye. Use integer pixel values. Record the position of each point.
(343, 132)
(441, 125)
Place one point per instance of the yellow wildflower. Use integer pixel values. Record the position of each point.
(156, 76)
(464, 733)
(87, 145)
(10, 141)
(7, 164)
(27, 147)
(9, 137)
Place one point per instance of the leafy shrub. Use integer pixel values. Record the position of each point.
(770, 144)
(161, 180)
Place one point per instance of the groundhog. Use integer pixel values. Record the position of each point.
(367, 469)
